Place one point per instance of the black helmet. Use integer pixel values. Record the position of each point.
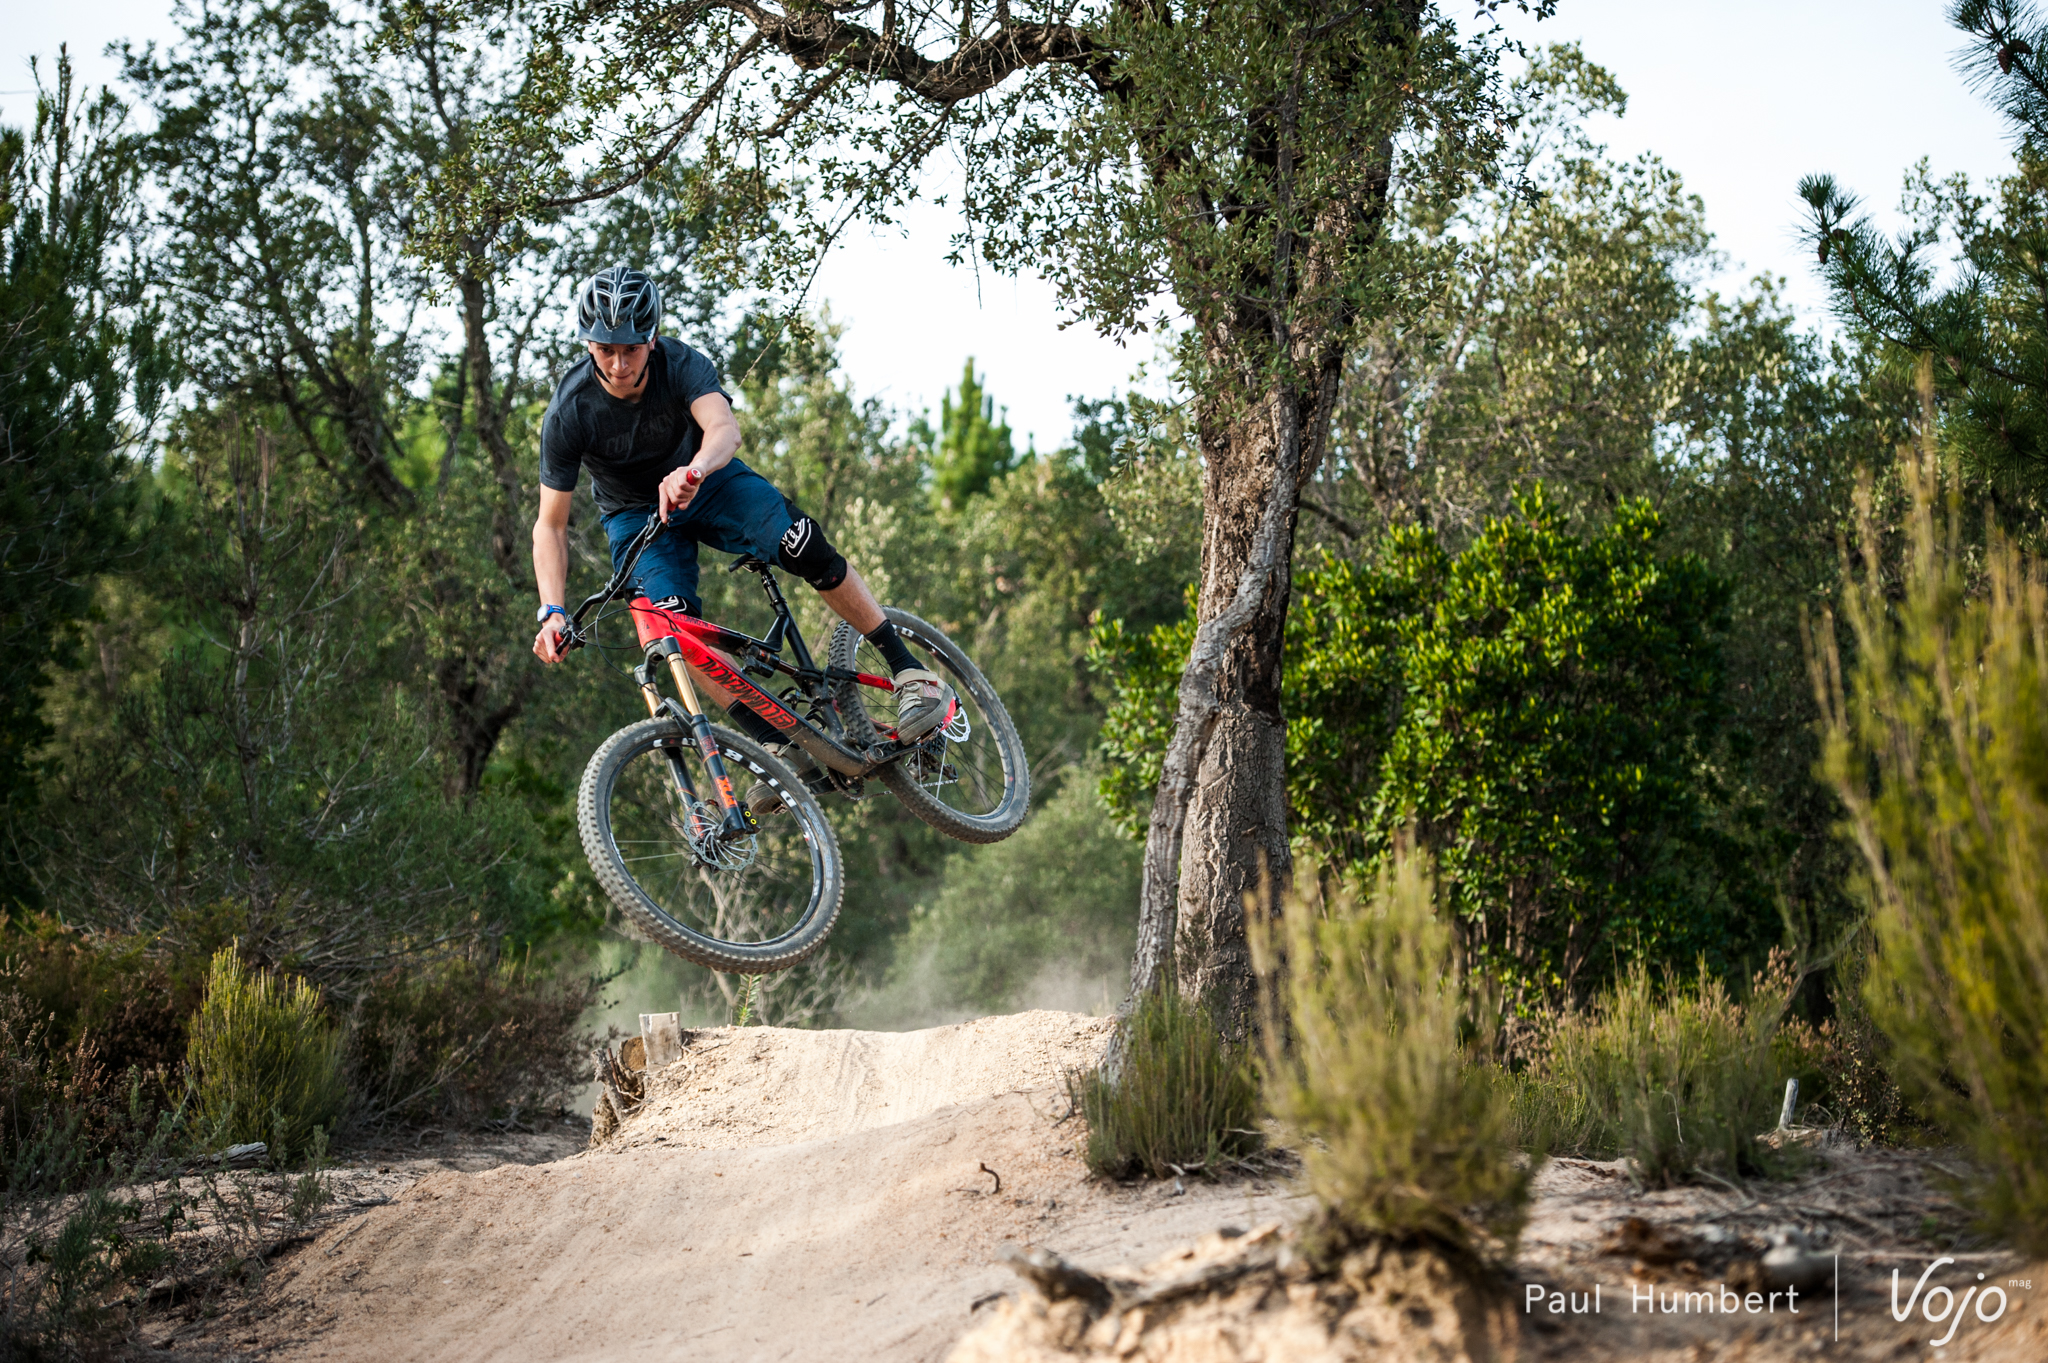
(619, 306)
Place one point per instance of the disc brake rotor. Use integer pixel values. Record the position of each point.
(704, 830)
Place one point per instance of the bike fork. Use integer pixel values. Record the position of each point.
(737, 821)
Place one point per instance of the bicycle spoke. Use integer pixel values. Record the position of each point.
(746, 889)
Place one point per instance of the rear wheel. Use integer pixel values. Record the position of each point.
(652, 828)
(968, 777)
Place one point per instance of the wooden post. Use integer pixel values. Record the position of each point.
(662, 1034)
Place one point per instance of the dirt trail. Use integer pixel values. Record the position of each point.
(783, 1194)
(824, 1196)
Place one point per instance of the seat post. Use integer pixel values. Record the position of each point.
(785, 621)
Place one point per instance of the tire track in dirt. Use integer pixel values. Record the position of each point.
(781, 1195)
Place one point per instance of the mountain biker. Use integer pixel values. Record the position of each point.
(646, 415)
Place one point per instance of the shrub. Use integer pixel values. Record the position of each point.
(1373, 1056)
(1177, 1094)
(461, 1040)
(1042, 919)
(59, 1108)
(54, 1302)
(1680, 1079)
(265, 1061)
(131, 1004)
(1534, 709)
(1937, 742)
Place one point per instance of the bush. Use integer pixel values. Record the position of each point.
(1937, 742)
(59, 1109)
(1176, 1097)
(1535, 710)
(1044, 918)
(462, 1040)
(55, 1303)
(1374, 1056)
(265, 1062)
(131, 1005)
(1681, 1080)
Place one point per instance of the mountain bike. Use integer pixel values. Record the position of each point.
(718, 847)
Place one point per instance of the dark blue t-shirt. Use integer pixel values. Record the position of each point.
(629, 447)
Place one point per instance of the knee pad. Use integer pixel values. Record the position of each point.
(805, 552)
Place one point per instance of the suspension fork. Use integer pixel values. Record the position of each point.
(680, 774)
(737, 821)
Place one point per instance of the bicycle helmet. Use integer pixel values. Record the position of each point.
(618, 306)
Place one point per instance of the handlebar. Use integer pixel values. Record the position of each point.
(611, 590)
(619, 579)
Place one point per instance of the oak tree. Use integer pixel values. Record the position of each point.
(1240, 158)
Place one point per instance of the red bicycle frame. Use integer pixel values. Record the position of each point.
(701, 653)
(697, 650)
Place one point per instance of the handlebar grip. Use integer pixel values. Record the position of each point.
(694, 477)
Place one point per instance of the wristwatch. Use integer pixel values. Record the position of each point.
(541, 616)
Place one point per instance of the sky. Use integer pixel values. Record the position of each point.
(1740, 97)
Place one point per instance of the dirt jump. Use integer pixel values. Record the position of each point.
(780, 1195)
(809, 1195)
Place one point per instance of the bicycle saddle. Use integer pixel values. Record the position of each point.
(750, 563)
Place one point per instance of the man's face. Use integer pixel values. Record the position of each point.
(620, 366)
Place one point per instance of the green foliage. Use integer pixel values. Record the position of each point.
(1557, 349)
(1374, 1058)
(1989, 327)
(56, 1305)
(1563, 692)
(1681, 1079)
(79, 367)
(1575, 346)
(272, 760)
(1539, 708)
(971, 449)
(1983, 312)
(1937, 742)
(265, 1061)
(1047, 915)
(1181, 1098)
(461, 1040)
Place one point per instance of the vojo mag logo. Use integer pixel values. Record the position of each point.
(1950, 1311)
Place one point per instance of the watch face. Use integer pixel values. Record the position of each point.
(540, 617)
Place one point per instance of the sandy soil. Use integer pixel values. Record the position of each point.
(834, 1195)
(783, 1194)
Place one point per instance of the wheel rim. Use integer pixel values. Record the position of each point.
(960, 764)
(752, 891)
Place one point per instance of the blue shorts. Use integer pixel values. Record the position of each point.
(741, 513)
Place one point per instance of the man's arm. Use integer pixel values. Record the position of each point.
(551, 569)
(721, 442)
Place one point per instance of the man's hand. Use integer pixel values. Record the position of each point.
(678, 490)
(547, 643)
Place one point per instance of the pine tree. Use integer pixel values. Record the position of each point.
(974, 449)
(71, 359)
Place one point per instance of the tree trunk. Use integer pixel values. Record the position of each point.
(1236, 820)
(1219, 820)
(482, 684)
(506, 544)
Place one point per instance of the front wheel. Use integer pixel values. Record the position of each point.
(653, 829)
(968, 777)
